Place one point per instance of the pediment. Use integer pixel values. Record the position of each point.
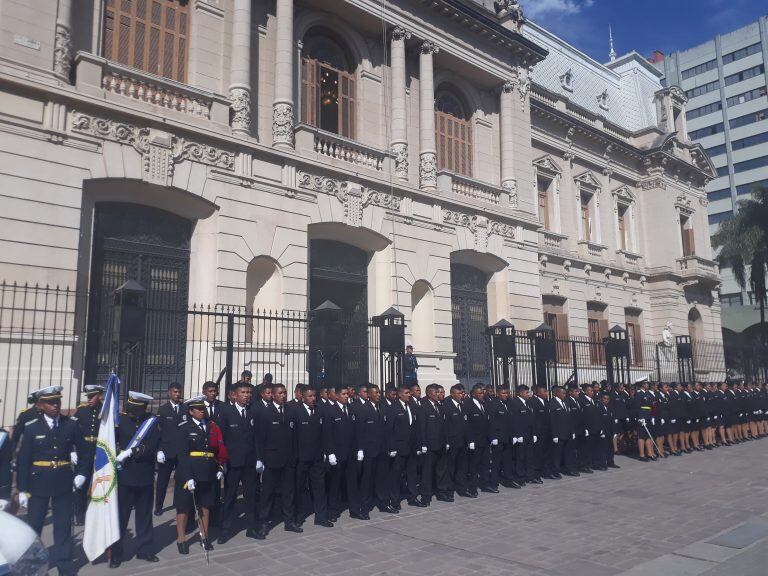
(588, 178)
(624, 192)
(547, 164)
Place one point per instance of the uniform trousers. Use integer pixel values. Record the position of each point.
(456, 476)
(556, 452)
(542, 455)
(237, 475)
(164, 472)
(61, 505)
(81, 498)
(310, 490)
(495, 469)
(434, 468)
(272, 480)
(138, 498)
(477, 466)
(339, 476)
(570, 454)
(381, 479)
(403, 463)
(584, 446)
(524, 460)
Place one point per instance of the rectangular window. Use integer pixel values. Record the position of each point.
(597, 329)
(704, 110)
(707, 131)
(634, 336)
(719, 194)
(454, 143)
(750, 164)
(715, 150)
(722, 171)
(750, 118)
(744, 75)
(586, 220)
(543, 190)
(700, 69)
(556, 318)
(150, 35)
(720, 217)
(623, 216)
(703, 89)
(689, 246)
(741, 53)
(327, 98)
(751, 187)
(730, 300)
(746, 96)
(750, 141)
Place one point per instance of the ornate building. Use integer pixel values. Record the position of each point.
(445, 157)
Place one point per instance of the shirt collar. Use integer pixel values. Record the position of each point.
(404, 405)
(50, 421)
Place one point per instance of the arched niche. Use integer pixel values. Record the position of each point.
(422, 316)
(264, 285)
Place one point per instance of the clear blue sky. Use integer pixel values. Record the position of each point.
(641, 25)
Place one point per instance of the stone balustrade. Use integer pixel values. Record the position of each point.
(589, 249)
(697, 267)
(468, 187)
(310, 139)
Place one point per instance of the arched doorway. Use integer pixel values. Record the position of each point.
(339, 272)
(695, 325)
(152, 247)
(469, 307)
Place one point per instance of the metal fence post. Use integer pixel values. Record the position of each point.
(230, 348)
(575, 362)
(658, 364)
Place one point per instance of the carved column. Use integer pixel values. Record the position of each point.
(427, 150)
(62, 46)
(399, 144)
(508, 180)
(240, 67)
(282, 107)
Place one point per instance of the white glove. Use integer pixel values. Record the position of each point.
(471, 445)
(573, 436)
(160, 457)
(715, 417)
(616, 421)
(662, 420)
(653, 421)
(586, 433)
(535, 439)
(642, 421)
(190, 485)
(3, 505)
(79, 481)
(393, 454)
(219, 475)
(124, 455)
(519, 439)
(514, 441)
(447, 446)
(260, 466)
(495, 442)
(332, 459)
(73, 458)
(360, 455)
(626, 419)
(687, 421)
(602, 435)
(424, 449)
(615, 435)
(418, 452)
(556, 440)
(23, 499)
(673, 421)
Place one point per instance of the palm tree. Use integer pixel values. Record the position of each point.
(743, 243)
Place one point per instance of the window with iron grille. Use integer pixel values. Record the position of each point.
(453, 133)
(150, 35)
(328, 85)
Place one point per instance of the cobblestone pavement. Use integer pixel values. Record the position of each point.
(704, 513)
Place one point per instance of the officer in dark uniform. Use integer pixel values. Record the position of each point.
(500, 434)
(370, 430)
(238, 428)
(88, 418)
(523, 436)
(309, 447)
(620, 407)
(200, 449)
(339, 428)
(403, 437)
(608, 430)
(477, 440)
(275, 456)
(643, 407)
(542, 450)
(46, 475)
(577, 445)
(589, 456)
(455, 444)
(6, 455)
(562, 434)
(410, 367)
(33, 412)
(138, 438)
(169, 416)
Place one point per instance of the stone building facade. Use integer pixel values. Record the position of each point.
(447, 158)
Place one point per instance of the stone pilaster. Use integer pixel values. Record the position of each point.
(240, 73)
(427, 148)
(508, 180)
(399, 143)
(62, 44)
(282, 107)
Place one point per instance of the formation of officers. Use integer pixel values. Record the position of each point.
(356, 449)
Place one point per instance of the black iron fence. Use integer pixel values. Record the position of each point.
(44, 340)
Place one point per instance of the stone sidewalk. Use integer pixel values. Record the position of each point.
(704, 513)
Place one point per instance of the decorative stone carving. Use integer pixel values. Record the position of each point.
(510, 187)
(321, 184)
(241, 109)
(353, 206)
(547, 164)
(428, 170)
(457, 218)
(589, 179)
(282, 123)
(429, 47)
(653, 183)
(158, 159)
(382, 199)
(400, 152)
(205, 154)
(503, 229)
(399, 33)
(480, 233)
(522, 81)
(62, 51)
(512, 10)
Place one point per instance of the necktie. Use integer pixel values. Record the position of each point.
(202, 427)
(482, 409)
(55, 423)
(311, 412)
(242, 413)
(176, 410)
(345, 410)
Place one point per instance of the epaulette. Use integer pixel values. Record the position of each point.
(83, 405)
(22, 412)
(73, 418)
(182, 423)
(30, 422)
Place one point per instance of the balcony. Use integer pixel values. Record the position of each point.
(589, 249)
(628, 259)
(551, 241)
(113, 81)
(698, 269)
(468, 187)
(340, 150)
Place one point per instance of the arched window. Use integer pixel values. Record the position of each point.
(453, 133)
(328, 88)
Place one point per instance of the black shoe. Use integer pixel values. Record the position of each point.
(585, 470)
(207, 545)
(325, 523)
(602, 468)
(250, 533)
(158, 512)
(468, 494)
(489, 489)
(79, 521)
(557, 476)
(574, 474)
(333, 517)
(613, 466)
(536, 481)
(387, 509)
(223, 537)
(291, 527)
(444, 498)
(416, 502)
(643, 458)
(183, 547)
(115, 563)
(513, 484)
(359, 516)
(148, 557)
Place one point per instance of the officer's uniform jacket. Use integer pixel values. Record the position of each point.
(560, 418)
(432, 425)
(43, 464)
(477, 423)
(402, 433)
(340, 430)
(169, 421)
(619, 406)
(6, 455)
(310, 442)
(499, 420)
(199, 457)
(88, 418)
(590, 414)
(239, 435)
(455, 423)
(521, 419)
(139, 469)
(577, 418)
(370, 429)
(274, 437)
(24, 417)
(607, 420)
(541, 420)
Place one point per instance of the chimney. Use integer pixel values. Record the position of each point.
(656, 57)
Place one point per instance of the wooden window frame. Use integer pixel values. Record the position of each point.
(687, 236)
(311, 69)
(597, 330)
(622, 216)
(149, 35)
(556, 318)
(585, 201)
(543, 195)
(454, 142)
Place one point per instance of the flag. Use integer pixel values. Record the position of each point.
(102, 519)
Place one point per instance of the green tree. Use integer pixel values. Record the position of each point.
(743, 244)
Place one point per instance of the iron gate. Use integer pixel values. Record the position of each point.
(469, 306)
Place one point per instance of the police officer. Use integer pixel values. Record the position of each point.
(238, 428)
(608, 430)
(170, 415)
(542, 450)
(575, 448)
(403, 444)
(88, 418)
(200, 449)
(46, 475)
(500, 434)
(370, 430)
(410, 367)
(477, 440)
(138, 439)
(310, 462)
(276, 460)
(33, 412)
(562, 434)
(339, 427)
(590, 455)
(620, 404)
(455, 444)
(643, 405)
(523, 436)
